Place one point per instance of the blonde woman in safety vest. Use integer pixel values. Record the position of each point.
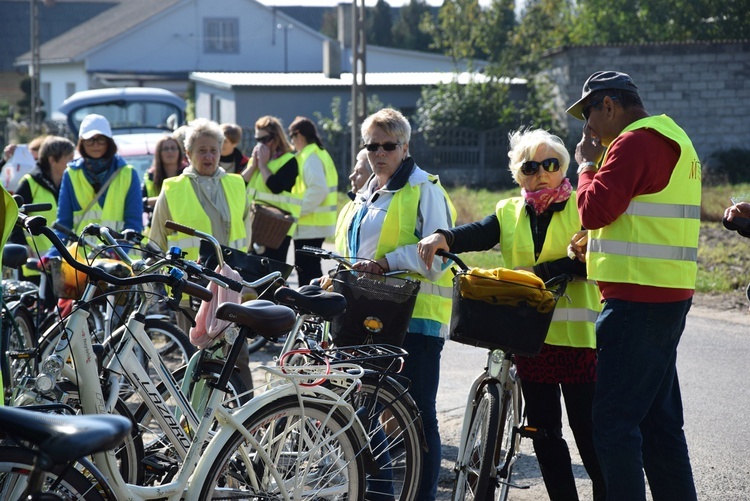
(42, 185)
(271, 176)
(206, 198)
(397, 206)
(533, 231)
(318, 185)
(99, 187)
(641, 201)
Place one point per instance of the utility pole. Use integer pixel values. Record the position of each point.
(359, 101)
(34, 73)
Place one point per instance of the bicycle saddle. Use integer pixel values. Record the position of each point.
(14, 255)
(262, 317)
(64, 438)
(311, 299)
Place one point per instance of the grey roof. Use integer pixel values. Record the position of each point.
(79, 41)
(64, 15)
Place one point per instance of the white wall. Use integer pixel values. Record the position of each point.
(58, 76)
(173, 41)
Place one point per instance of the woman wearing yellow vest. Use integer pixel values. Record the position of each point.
(398, 204)
(168, 162)
(42, 185)
(206, 198)
(318, 184)
(534, 231)
(8, 215)
(271, 176)
(99, 187)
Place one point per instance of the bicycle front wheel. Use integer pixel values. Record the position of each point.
(474, 467)
(508, 443)
(314, 455)
(68, 483)
(18, 334)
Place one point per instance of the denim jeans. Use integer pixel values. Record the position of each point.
(637, 408)
(422, 367)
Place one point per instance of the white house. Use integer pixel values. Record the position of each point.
(159, 42)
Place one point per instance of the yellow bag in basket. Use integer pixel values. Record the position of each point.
(507, 287)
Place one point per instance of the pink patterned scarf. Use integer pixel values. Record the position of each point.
(540, 200)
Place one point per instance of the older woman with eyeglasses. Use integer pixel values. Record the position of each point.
(533, 231)
(398, 204)
(271, 176)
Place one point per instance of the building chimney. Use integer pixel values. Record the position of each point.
(331, 59)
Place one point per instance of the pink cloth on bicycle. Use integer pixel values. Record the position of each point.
(207, 326)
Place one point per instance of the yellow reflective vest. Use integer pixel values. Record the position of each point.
(655, 241)
(40, 195)
(288, 201)
(8, 220)
(113, 212)
(399, 228)
(323, 218)
(185, 209)
(573, 323)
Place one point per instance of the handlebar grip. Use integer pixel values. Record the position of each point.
(64, 230)
(232, 284)
(453, 257)
(309, 250)
(179, 227)
(195, 290)
(39, 207)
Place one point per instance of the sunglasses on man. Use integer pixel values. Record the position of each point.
(373, 147)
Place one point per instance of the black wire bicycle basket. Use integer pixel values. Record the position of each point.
(516, 318)
(378, 309)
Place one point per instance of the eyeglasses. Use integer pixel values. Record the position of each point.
(587, 109)
(95, 140)
(170, 148)
(531, 167)
(264, 139)
(373, 147)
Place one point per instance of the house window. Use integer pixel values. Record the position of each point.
(215, 108)
(45, 94)
(70, 89)
(221, 35)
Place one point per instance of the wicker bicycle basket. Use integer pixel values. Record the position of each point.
(517, 325)
(270, 225)
(378, 308)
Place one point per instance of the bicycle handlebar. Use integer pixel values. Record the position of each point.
(453, 257)
(325, 254)
(37, 225)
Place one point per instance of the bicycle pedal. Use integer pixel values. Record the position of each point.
(158, 463)
(531, 432)
(21, 354)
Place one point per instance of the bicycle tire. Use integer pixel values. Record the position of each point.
(404, 445)
(153, 439)
(69, 483)
(474, 468)
(337, 474)
(256, 344)
(18, 333)
(509, 419)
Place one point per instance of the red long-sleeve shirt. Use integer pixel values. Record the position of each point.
(638, 162)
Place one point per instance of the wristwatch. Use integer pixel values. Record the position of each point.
(586, 166)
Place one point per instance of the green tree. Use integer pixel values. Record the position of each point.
(457, 32)
(379, 24)
(496, 30)
(406, 30)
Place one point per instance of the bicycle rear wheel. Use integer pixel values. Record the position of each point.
(18, 334)
(396, 437)
(68, 483)
(474, 467)
(316, 457)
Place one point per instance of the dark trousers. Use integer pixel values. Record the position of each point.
(638, 419)
(544, 411)
(308, 267)
(422, 367)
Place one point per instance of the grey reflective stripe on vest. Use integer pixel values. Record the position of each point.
(332, 189)
(435, 290)
(184, 243)
(272, 197)
(670, 252)
(574, 315)
(664, 210)
(327, 208)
